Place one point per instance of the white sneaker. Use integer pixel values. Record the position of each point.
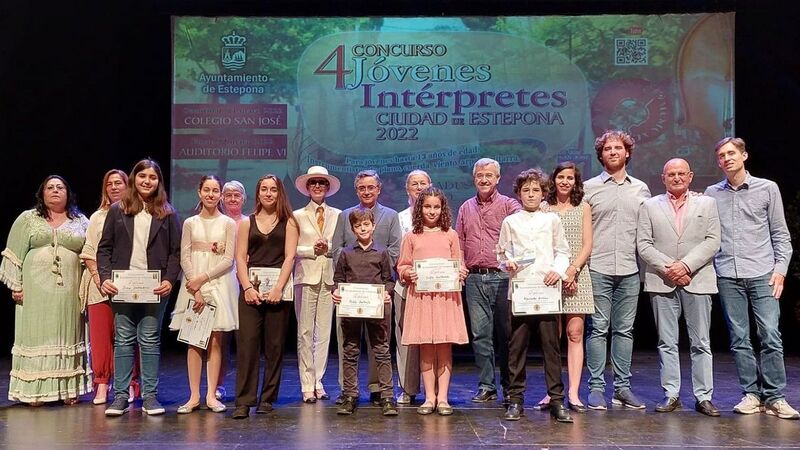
(750, 404)
(782, 409)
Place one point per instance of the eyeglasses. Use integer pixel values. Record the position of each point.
(370, 188)
(318, 182)
(55, 187)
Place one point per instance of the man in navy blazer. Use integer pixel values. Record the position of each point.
(387, 233)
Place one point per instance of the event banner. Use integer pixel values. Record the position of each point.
(253, 96)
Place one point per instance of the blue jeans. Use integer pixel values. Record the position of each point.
(738, 295)
(137, 324)
(489, 318)
(615, 300)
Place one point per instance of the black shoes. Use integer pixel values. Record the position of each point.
(669, 404)
(347, 407)
(340, 399)
(707, 408)
(514, 411)
(484, 395)
(388, 407)
(264, 408)
(560, 412)
(241, 412)
(375, 398)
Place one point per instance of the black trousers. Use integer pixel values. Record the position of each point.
(521, 329)
(379, 334)
(261, 328)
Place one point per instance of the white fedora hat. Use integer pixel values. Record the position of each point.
(317, 172)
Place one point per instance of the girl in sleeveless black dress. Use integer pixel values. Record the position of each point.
(267, 239)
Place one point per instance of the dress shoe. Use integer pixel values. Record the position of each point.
(514, 411)
(375, 398)
(347, 407)
(559, 412)
(425, 409)
(707, 408)
(577, 407)
(321, 394)
(444, 409)
(388, 407)
(264, 407)
(241, 412)
(484, 395)
(669, 404)
(340, 399)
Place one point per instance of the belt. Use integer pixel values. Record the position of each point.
(484, 270)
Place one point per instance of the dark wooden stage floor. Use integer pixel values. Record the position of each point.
(296, 425)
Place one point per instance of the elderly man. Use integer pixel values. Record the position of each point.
(615, 198)
(478, 228)
(751, 266)
(677, 238)
(387, 233)
(407, 355)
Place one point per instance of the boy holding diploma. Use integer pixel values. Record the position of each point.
(365, 263)
(532, 246)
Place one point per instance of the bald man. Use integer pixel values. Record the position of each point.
(677, 237)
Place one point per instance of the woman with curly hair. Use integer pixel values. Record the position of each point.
(42, 268)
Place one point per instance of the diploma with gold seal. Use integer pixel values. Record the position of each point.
(196, 328)
(136, 286)
(363, 301)
(437, 275)
(531, 296)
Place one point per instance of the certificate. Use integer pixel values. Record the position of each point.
(196, 328)
(438, 275)
(136, 286)
(363, 301)
(531, 296)
(263, 278)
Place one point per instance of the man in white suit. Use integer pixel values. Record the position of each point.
(677, 237)
(313, 278)
(387, 233)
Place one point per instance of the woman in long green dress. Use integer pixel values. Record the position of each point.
(41, 267)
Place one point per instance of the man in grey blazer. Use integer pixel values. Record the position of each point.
(387, 233)
(677, 237)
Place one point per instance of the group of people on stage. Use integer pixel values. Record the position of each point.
(732, 240)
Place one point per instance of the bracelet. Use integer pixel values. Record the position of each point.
(251, 287)
(577, 270)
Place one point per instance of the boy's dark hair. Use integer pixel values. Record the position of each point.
(361, 214)
(532, 175)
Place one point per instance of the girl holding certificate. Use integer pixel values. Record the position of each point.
(141, 233)
(267, 239)
(207, 245)
(433, 320)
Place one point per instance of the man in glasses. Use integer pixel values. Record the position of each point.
(387, 234)
(478, 228)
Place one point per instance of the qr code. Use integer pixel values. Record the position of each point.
(630, 52)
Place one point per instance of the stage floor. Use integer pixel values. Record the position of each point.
(296, 425)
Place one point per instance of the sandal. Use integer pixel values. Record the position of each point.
(71, 401)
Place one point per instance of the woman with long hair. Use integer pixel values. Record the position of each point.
(566, 198)
(101, 317)
(42, 268)
(141, 233)
(207, 245)
(267, 239)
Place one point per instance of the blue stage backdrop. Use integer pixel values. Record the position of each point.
(277, 95)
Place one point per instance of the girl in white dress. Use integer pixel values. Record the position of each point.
(207, 246)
